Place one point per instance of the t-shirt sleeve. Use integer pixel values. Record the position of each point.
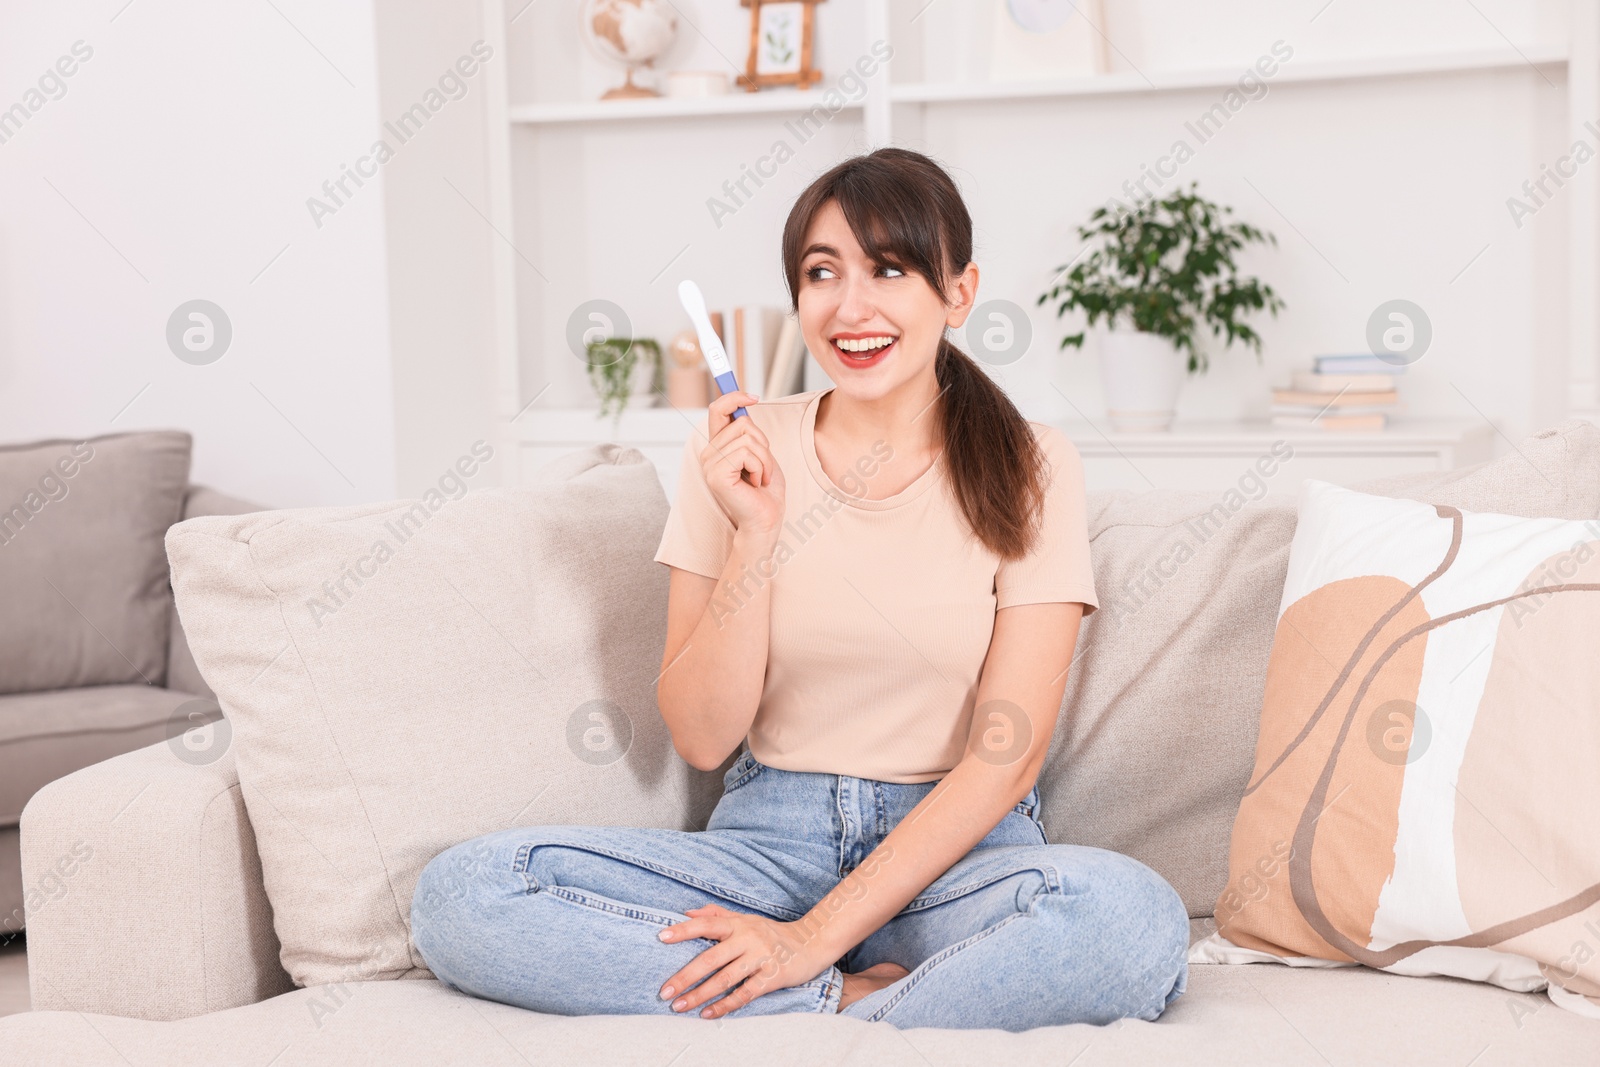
(699, 535)
(1057, 569)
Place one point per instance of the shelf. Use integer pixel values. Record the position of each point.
(765, 102)
(792, 101)
(652, 425)
(1201, 438)
(1173, 81)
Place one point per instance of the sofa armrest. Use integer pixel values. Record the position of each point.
(144, 891)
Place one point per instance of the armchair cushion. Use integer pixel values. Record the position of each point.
(46, 735)
(85, 578)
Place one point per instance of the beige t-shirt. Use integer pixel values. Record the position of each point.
(882, 610)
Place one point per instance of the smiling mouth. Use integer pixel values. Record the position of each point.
(863, 351)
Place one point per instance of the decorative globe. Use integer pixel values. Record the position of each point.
(630, 33)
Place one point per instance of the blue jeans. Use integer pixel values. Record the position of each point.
(1018, 933)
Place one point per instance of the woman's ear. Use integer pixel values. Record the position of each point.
(966, 295)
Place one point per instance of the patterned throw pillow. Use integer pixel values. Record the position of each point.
(1426, 784)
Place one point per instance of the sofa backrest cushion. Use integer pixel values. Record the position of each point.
(1158, 727)
(82, 567)
(401, 677)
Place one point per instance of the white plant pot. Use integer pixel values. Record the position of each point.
(639, 392)
(639, 383)
(1142, 375)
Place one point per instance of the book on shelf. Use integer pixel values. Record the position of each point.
(1305, 381)
(760, 341)
(755, 333)
(1334, 401)
(785, 377)
(1354, 364)
(1375, 420)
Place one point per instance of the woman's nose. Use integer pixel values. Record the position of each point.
(856, 304)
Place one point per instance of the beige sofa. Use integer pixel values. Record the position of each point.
(95, 663)
(166, 944)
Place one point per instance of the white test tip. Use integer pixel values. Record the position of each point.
(693, 302)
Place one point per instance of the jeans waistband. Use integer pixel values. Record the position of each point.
(838, 811)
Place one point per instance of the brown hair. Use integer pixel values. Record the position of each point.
(906, 212)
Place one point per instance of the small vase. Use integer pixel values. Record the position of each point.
(1142, 374)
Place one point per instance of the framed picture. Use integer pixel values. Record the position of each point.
(781, 36)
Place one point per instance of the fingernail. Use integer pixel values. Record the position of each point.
(679, 1005)
(705, 1013)
(666, 992)
(665, 935)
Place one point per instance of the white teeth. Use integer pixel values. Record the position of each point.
(863, 344)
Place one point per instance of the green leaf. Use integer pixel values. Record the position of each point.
(1166, 267)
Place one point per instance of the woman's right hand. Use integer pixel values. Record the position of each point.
(739, 468)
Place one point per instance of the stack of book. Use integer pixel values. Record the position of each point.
(1340, 393)
(765, 348)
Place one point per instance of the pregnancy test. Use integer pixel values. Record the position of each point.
(710, 343)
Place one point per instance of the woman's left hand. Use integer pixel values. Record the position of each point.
(754, 955)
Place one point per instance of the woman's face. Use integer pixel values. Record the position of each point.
(872, 327)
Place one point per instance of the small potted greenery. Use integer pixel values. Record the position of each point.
(1159, 272)
(624, 372)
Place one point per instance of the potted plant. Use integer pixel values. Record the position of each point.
(1158, 272)
(624, 372)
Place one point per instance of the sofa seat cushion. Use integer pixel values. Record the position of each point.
(1228, 1016)
(45, 736)
(81, 560)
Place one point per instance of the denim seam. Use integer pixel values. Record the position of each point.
(525, 853)
(745, 776)
(928, 965)
(832, 983)
(1051, 883)
(844, 823)
(612, 907)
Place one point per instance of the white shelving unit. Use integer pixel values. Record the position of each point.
(532, 429)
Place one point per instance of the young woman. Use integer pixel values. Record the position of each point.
(877, 588)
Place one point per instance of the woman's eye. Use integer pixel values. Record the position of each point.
(897, 271)
(814, 272)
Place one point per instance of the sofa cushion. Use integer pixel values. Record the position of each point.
(1158, 730)
(1425, 765)
(182, 673)
(86, 598)
(44, 736)
(1228, 1016)
(400, 677)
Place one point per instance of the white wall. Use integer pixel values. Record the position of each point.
(177, 165)
(439, 243)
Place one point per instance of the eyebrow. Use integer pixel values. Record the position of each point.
(827, 250)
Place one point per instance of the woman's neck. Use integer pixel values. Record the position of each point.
(907, 419)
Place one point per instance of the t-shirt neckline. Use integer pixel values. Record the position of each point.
(808, 446)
